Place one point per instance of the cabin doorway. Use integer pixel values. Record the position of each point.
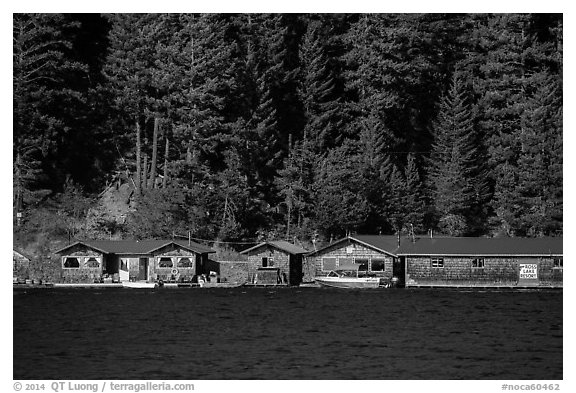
(399, 270)
(295, 270)
(143, 269)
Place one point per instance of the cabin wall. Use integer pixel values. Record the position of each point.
(350, 252)
(83, 273)
(178, 271)
(280, 266)
(497, 271)
(19, 262)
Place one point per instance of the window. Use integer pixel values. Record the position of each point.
(165, 262)
(71, 263)
(185, 262)
(558, 263)
(92, 262)
(377, 265)
(344, 261)
(363, 265)
(437, 262)
(328, 264)
(478, 263)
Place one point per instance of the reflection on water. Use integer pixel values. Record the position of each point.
(287, 333)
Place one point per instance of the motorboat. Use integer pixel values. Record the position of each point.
(346, 276)
(138, 284)
(212, 282)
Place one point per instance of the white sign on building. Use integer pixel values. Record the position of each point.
(529, 271)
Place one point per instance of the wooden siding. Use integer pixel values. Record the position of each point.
(281, 262)
(82, 274)
(183, 273)
(497, 271)
(342, 252)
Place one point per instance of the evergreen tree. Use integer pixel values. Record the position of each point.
(316, 91)
(540, 160)
(340, 205)
(452, 161)
(414, 202)
(44, 103)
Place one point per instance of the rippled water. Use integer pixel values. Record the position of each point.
(287, 333)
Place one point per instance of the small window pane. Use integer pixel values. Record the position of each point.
(165, 262)
(328, 264)
(71, 262)
(437, 262)
(344, 261)
(363, 264)
(92, 262)
(185, 262)
(558, 262)
(377, 265)
(264, 261)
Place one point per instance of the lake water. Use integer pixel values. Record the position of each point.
(287, 333)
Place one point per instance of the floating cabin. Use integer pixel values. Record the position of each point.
(275, 263)
(19, 261)
(131, 260)
(376, 255)
(482, 262)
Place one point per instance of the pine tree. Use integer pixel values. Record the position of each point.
(508, 53)
(316, 91)
(452, 161)
(540, 160)
(340, 204)
(44, 102)
(414, 202)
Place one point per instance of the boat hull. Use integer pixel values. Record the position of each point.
(220, 285)
(338, 282)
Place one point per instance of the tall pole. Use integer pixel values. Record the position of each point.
(154, 153)
(138, 160)
(165, 178)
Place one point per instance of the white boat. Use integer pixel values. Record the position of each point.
(346, 276)
(138, 284)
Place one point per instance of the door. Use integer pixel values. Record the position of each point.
(295, 269)
(124, 269)
(143, 269)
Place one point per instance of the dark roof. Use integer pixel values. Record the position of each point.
(280, 245)
(137, 246)
(482, 246)
(384, 243)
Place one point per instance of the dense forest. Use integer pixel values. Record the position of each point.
(243, 127)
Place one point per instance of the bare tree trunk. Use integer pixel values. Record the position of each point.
(165, 179)
(145, 182)
(154, 153)
(18, 189)
(138, 160)
(188, 156)
(288, 221)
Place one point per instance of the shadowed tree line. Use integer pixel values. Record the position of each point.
(250, 126)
